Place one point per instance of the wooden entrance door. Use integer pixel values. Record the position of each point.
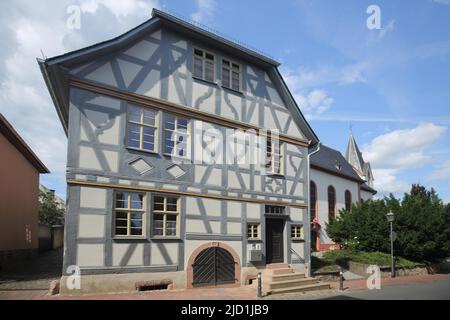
(274, 241)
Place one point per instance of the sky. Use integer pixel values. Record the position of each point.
(390, 85)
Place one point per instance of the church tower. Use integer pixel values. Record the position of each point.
(355, 158)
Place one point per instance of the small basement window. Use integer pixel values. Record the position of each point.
(153, 285)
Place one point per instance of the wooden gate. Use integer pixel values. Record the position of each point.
(213, 266)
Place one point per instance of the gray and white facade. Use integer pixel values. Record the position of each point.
(135, 211)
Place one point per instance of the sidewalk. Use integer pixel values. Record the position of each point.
(240, 293)
(358, 285)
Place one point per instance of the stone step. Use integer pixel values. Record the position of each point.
(291, 283)
(283, 277)
(277, 266)
(271, 272)
(309, 287)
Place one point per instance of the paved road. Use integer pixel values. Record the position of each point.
(436, 290)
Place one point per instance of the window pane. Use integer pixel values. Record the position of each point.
(182, 124)
(149, 134)
(209, 56)
(134, 114)
(169, 122)
(148, 146)
(134, 136)
(121, 200)
(133, 144)
(121, 215)
(171, 225)
(158, 224)
(198, 67)
(225, 77)
(158, 203)
(121, 231)
(121, 223)
(136, 215)
(198, 52)
(136, 223)
(149, 117)
(235, 81)
(209, 70)
(136, 232)
(172, 207)
(136, 200)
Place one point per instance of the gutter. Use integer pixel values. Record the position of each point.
(308, 212)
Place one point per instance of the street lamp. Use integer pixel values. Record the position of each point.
(390, 219)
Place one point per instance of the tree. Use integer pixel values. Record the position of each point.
(49, 211)
(422, 224)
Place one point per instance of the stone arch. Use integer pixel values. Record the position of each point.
(196, 252)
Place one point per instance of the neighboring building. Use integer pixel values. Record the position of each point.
(335, 184)
(19, 190)
(130, 106)
(61, 203)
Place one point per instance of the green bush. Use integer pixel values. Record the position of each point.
(377, 258)
(422, 224)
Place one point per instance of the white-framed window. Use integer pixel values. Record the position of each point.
(274, 155)
(142, 128)
(204, 65)
(176, 136)
(129, 214)
(275, 209)
(253, 231)
(165, 216)
(231, 74)
(297, 231)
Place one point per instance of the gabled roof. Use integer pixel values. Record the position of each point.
(158, 19)
(8, 131)
(332, 161)
(55, 70)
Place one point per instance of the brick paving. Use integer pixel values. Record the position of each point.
(239, 293)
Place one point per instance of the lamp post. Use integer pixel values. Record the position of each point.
(390, 219)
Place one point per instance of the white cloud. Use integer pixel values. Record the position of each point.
(389, 28)
(315, 77)
(394, 152)
(402, 149)
(314, 103)
(119, 8)
(387, 182)
(205, 11)
(446, 2)
(354, 73)
(442, 172)
(25, 30)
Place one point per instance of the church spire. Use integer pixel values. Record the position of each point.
(353, 155)
(355, 158)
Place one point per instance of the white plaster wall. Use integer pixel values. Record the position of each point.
(157, 257)
(119, 250)
(322, 181)
(91, 226)
(92, 198)
(90, 255)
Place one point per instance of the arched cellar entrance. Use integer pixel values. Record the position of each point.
(213, 264)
